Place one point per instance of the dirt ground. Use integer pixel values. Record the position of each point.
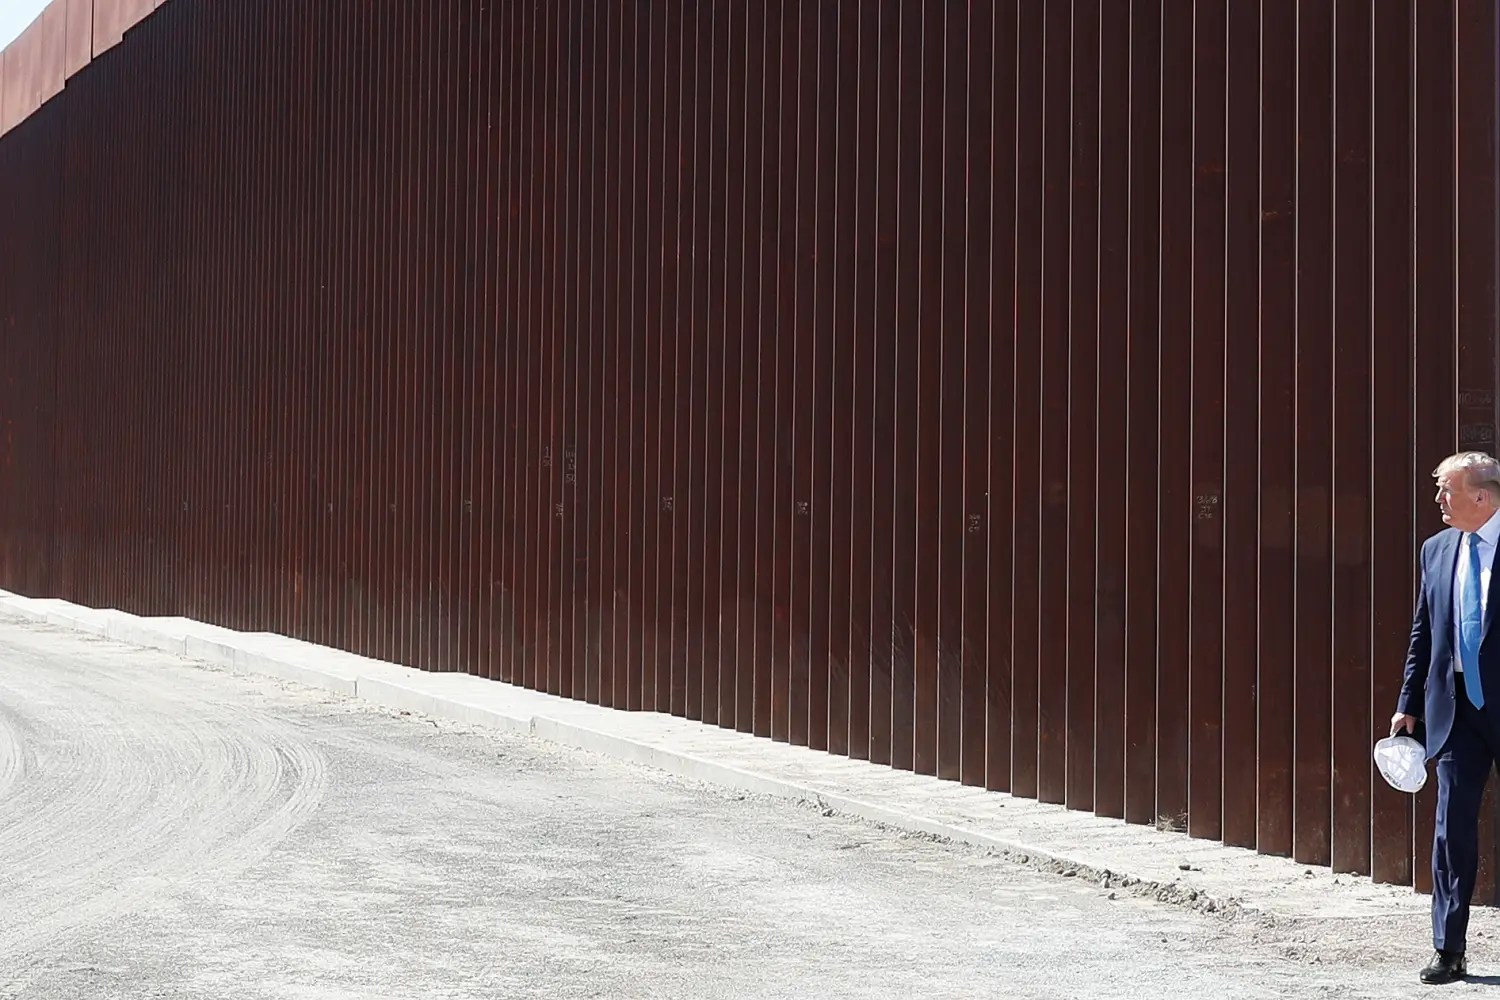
(171, 831)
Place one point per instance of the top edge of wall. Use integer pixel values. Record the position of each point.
(65, 37)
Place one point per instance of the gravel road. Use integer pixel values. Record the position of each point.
(168, 830)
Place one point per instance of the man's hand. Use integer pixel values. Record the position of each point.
(1399, 722)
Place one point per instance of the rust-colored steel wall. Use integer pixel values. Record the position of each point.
(1038, 395)
(64, 38)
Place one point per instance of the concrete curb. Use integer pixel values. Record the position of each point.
(392, 694)
(645, 738)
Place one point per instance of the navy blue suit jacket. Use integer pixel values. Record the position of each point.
(1428, 688)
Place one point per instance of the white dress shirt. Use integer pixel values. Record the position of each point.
(1489, 534)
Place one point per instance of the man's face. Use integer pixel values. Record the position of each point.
(1464, 508)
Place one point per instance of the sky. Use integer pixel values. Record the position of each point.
(15, 15)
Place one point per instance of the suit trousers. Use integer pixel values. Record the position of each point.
(1463, 768)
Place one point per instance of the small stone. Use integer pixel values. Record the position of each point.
(1185, 867)
(1308, 872)
(1071, 873)
(1111, 895)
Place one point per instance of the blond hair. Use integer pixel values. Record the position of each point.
(1481, 472)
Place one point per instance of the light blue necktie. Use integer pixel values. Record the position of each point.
(1471, 627)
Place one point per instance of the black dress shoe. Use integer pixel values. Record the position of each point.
(1445, 967)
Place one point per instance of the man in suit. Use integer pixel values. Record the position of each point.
(1452, 673)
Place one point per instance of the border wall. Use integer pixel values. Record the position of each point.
(1041, 395)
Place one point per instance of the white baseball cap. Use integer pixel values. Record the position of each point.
(1402, 762)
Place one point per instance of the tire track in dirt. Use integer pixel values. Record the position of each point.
(13, 752)
(114, 791)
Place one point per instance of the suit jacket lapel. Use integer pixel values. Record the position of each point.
(1442, 597)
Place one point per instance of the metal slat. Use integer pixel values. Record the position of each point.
(1141, 419)
(1112, 410)
(927, 336)
(1175, 512)
(1026, 558)
(723, 501)
(1474, 210)
(951, 336)
(1001, 494)
(552, 401)
(1392, 544)
(837, 505)
(1051, 479)
(1352, 442)
(863, 255)
(614, 354)
(1207, 605)
(753, 700)
(504, 592)
(567, 414)
(1278, 230)
(681, 337)
(821, 343)
(885, 141)
(1240, 499)
(800, 282)
(586, 468)
(1081, 516)
(973, 515)
(1314, 455)
(1435, 321)
(643, 501)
